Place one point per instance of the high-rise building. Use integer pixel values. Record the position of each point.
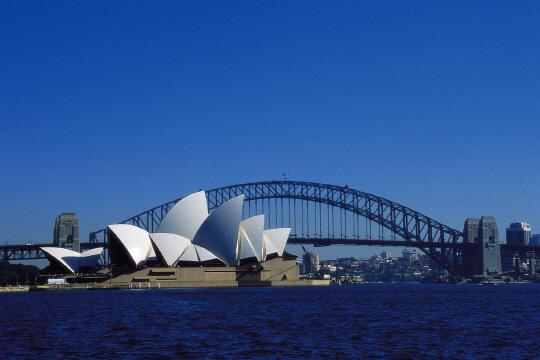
(406, 255)
(66, 232)
(519, 233)
(410, 255)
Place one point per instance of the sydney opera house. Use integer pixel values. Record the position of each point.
(190, 248)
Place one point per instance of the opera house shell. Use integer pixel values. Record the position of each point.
(191, 247)
(191, 236)
(70, 261)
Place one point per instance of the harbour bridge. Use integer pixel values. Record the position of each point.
(320, 215)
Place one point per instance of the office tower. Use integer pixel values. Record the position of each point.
(519, 233)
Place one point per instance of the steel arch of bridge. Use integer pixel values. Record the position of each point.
(438, 241)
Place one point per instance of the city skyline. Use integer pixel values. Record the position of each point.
(111, 109)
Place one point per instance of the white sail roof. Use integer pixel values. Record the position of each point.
(91, 257)
(189, 233)
(189, 254)
(204, 255)
(245, 249)
(251, 238)
(269, 248)
(278, 238)
(135, 241)
(72, 261)
(186, 216)
(219, 232)
(68, 259)
(169, 247)
(152, 256)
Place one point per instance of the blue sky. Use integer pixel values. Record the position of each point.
(112, 108)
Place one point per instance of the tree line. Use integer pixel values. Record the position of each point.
(10, 273)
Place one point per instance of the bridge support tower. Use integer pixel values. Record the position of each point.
(482, 258)
(66, 232)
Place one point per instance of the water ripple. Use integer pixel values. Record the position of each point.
(375, 321)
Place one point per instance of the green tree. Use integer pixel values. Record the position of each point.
(9, 273)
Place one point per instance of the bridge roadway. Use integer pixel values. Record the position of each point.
(320, 242)
(33, 252)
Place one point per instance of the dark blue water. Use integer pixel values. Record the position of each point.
(378, 321)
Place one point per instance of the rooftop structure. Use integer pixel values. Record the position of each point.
(191, 236)
(70, 261)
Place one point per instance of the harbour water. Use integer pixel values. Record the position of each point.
(372, 321)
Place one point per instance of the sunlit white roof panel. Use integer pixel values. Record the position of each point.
(189, 254)
(186, 216)
(136, 242)
(251, 233)
(278, 238)
(169, 247)
(152, 256)
(204, 255)
(245, 249)
(219, 232)
(91, 257)
(68, 259)
(269, 248)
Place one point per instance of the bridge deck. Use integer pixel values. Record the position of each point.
(33, 252)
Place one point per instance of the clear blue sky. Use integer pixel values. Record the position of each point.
(111, 108)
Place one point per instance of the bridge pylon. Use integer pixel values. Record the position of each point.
(66, 232)
(482, 259)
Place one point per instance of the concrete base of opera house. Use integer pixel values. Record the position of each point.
(205, 284)
(275, 272)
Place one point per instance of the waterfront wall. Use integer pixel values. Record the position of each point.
(275, 272)
(14, 289)
(201, 284)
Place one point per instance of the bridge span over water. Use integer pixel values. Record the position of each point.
(321, 215)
